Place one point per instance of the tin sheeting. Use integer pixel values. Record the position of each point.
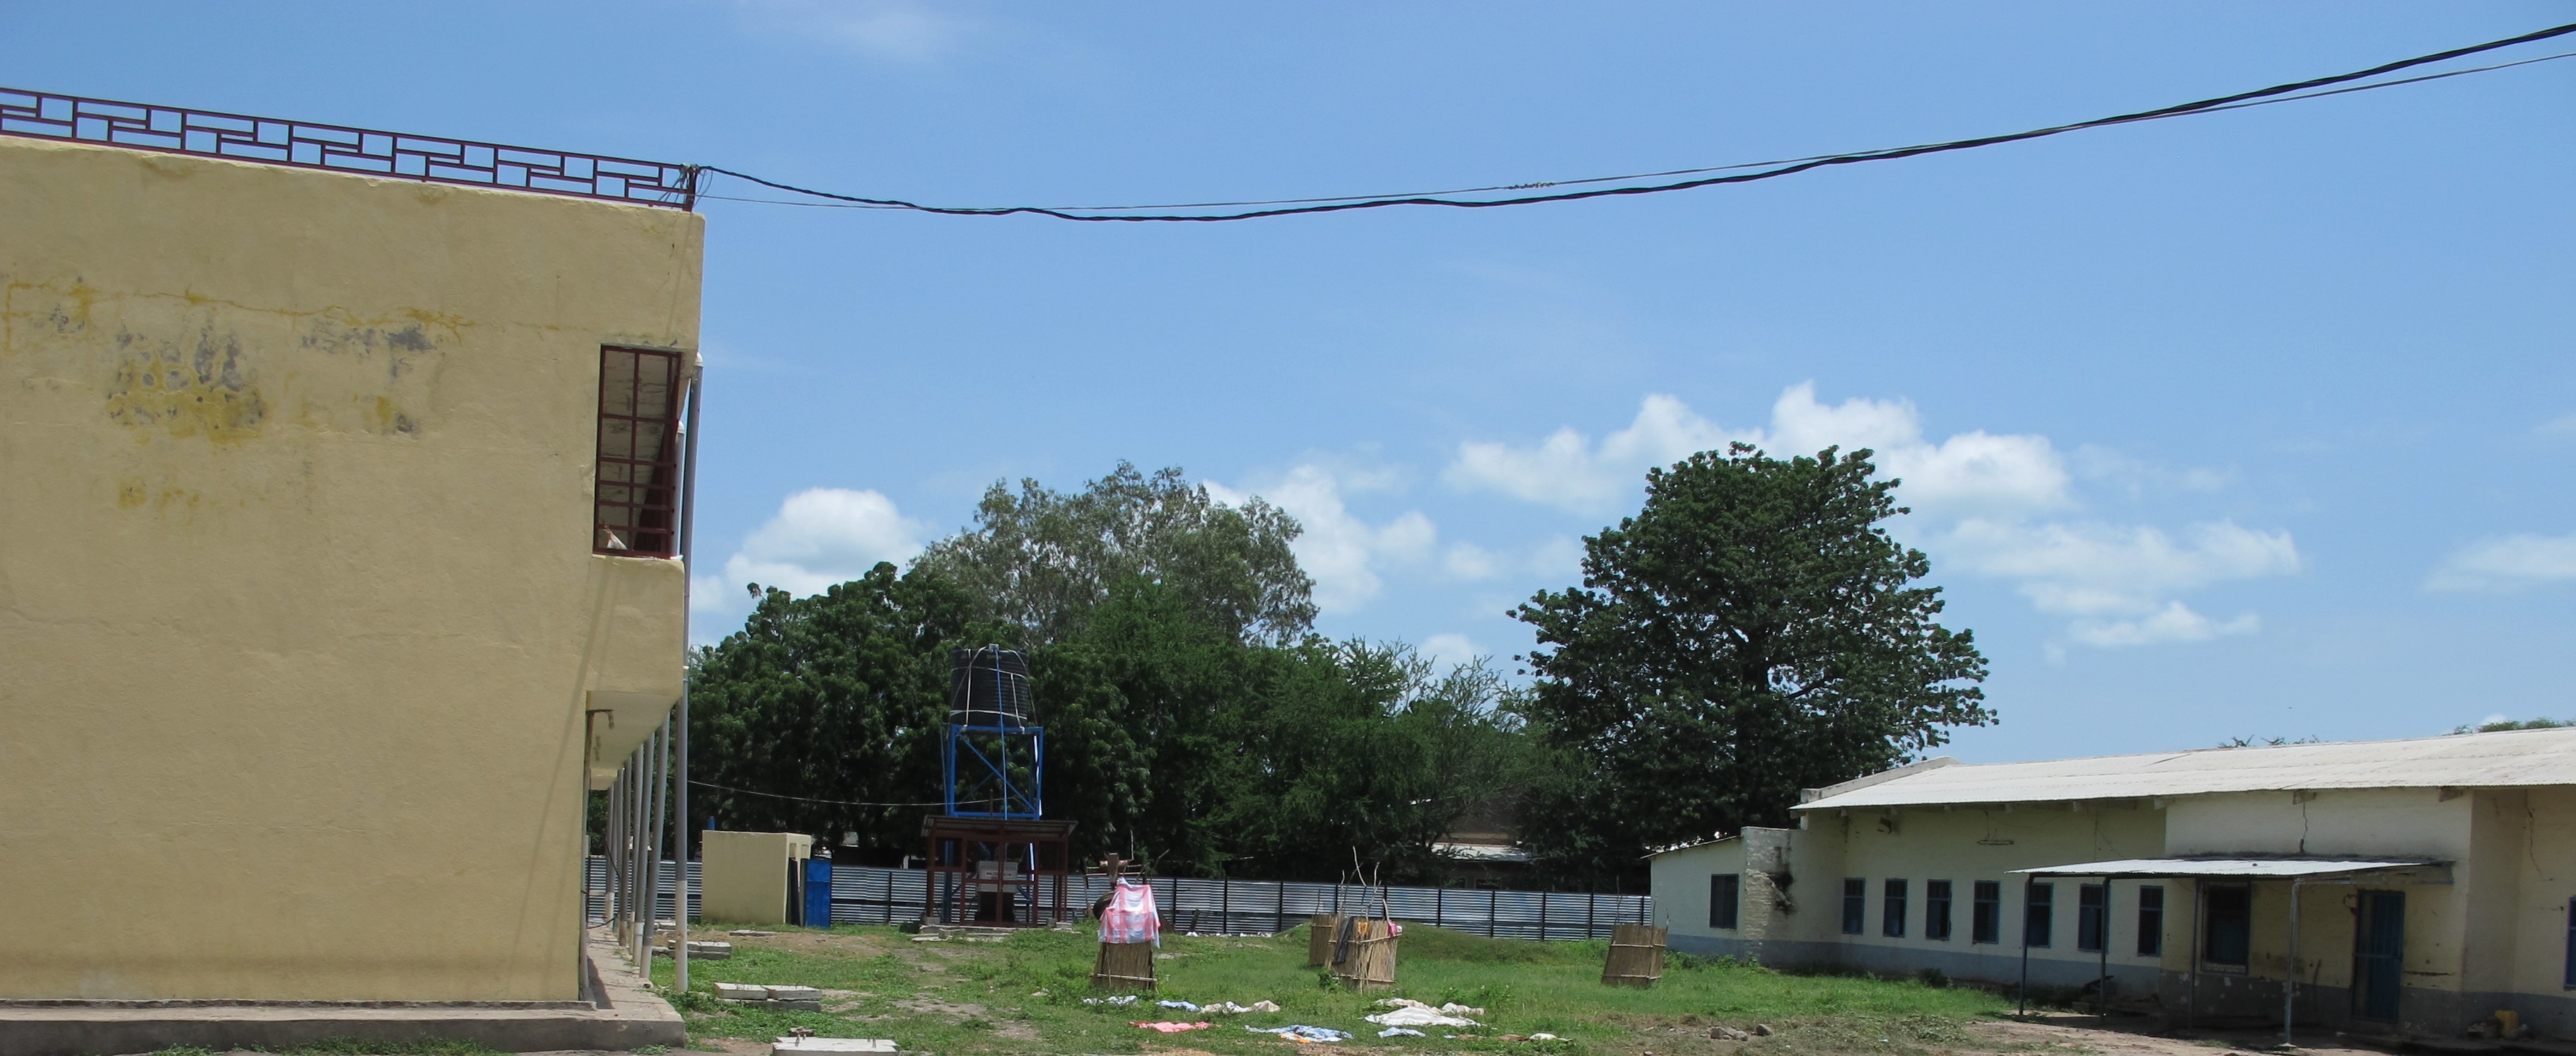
(2247, 868)
(2511, 759)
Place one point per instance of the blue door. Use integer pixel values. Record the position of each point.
(818, 893)
(2379, 953)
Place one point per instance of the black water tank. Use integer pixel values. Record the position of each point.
(988, 687)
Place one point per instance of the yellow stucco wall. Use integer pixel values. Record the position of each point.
(298, 602)
(743, 875)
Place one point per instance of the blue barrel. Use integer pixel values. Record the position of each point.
(817, 911)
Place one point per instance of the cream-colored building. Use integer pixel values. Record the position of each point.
(334, 563)
(2431, 881)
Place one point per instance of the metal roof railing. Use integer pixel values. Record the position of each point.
(337, 148)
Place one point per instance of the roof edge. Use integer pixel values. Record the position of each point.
(1810, 795)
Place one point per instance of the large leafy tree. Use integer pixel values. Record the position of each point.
(1752, 631)
(1044, 559)
(822, 715)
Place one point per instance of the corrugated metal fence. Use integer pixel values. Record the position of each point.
(862, 895)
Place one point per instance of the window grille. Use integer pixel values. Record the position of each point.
(1855, 904)
(1986, 913)
(2230, 939)
(1891, 916)
(2092, 917)
(635, 510)
(2039, 915)
(1722, 904)
(1936, 910)
(2151, 921)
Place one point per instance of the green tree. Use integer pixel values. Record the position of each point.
(1752, 631)
(823, 703)
(1043, 559)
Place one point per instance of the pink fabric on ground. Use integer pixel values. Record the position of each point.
(1175, 1028)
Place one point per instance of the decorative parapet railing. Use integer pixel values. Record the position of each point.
(334, 148)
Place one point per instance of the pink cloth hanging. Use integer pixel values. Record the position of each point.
(1130, 916)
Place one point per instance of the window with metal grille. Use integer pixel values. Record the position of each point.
(2092, 916)
(635, 507)
(1986, 912)
(2229, 939)
(2571, 944)
(2151, 921)
(2039, 914)
(1722, 888)
(1936, 910)
(1855, 905)
(1891, 915)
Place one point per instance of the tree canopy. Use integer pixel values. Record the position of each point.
(1193, 719)
(1044, 560)
(1752, 631)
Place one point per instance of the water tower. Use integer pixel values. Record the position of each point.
(994, 761)
(995, 859)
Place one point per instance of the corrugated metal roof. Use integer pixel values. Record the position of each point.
(2255, 868)
(2512, 759)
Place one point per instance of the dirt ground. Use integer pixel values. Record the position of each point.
(2052, 1036)
(2070, 1033)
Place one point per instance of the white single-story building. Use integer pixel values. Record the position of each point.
(2431, 882)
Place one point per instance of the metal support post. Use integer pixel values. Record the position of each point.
(612, 846)
(2290, 977)
(680, 752)
(660, 768)
(636, 792)
(2022, 991)
(2102, 982)
(2191, 998)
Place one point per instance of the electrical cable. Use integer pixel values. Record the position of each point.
(1767, 170)
(836, 802)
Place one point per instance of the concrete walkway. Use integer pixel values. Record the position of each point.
(624, 1014)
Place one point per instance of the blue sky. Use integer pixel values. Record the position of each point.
(2249, 424)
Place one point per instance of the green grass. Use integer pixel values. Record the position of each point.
(1024, 995)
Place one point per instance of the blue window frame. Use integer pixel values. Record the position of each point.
(1855, 905)
(1986, 913)
(1891, 917)
(2039, 914)
(2092, 917)
(1722, 901)
(2228, 932)
(2571, 944)
(2151, 921)
(1936, 910)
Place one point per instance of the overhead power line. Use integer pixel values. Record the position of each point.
(1763, 170)
(835, 802)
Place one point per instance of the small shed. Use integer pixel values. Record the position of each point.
(744, 876)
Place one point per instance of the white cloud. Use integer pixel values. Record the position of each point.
(2097, 570)
(1343, 553)
(820, 537)
(1991, 503)
(1559, 558)
(1567, 471)
(908, 31)
(1450, 650)
(2511, 562)
(2561, 427)
(1470, 561)
(1974, 471)
(2173, 623)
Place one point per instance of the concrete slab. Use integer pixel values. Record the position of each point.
(792, 1046)
(622, 1014)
